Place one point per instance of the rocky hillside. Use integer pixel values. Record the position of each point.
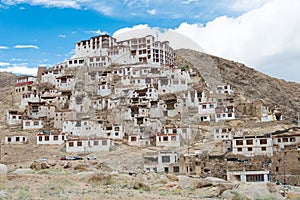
(246, 81)
(7, 84)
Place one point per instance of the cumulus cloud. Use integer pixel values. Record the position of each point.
(3, 47)
(266, 38)
(62, 36)
(26, 47)
(20, 70)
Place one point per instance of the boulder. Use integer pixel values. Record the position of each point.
(187, 182)
(23, 171)
(36, 166)
(3, 169)
(229, 194)
(67, 165)
(81, 167)
(209, 192)
(100, 178)
(141, 186)
(44, 165)
(172, 177)
(256, 191)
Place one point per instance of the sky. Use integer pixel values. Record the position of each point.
(262, 34)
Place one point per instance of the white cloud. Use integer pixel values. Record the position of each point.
(26, 47)
(130, 29)
(62, 36)
(96, 32)
(20, 70)
(22, 8)
(246, 5)
(151, 12)
(176, 40)
(266, 38)
(188, 1)
(3, 47)
(3, 64)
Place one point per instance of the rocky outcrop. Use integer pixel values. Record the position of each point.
(3, 169)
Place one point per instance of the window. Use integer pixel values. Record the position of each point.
(104, 142)
(71, 144)
(239, 149)
(36, 123)
(116, 133)
(55, 137)
(40, 138)
(9, 139)
(250, 149)
(203, 106)
(263, 141)
(292, 139)
(96, 143)
(47, 138)
(285, 140)
(278, 140)
(239, 142)
(165, 138)
(79, 143)
(264, 149)
(133, 139)
(176, 169)
(27, 123)
(117, 128)
(165, 159)
(173, 138)
(17, 139)
(211, 106)
(249, 142)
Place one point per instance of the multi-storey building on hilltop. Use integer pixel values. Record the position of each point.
(108, 50)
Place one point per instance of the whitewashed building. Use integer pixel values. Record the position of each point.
(83, 128)
(115, 131)
(86, 145)
(249, 176)
(252, 145)
(167, 140)
(14, 117)
(50, 138)
(30, 124)
(15, 139)
(160, 162)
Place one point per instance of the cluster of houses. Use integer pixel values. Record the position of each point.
(132, 91)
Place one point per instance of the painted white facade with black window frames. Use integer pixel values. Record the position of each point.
(85, 145)
(15, 139)
(49, 138)
(29, 124)
(14, 117)
(252, 145)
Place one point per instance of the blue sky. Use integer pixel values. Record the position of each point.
(263, 34)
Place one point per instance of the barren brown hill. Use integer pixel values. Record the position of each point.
(246, 81)
(7, 86)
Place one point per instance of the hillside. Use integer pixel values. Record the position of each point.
(246, 81)
(7, 86)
